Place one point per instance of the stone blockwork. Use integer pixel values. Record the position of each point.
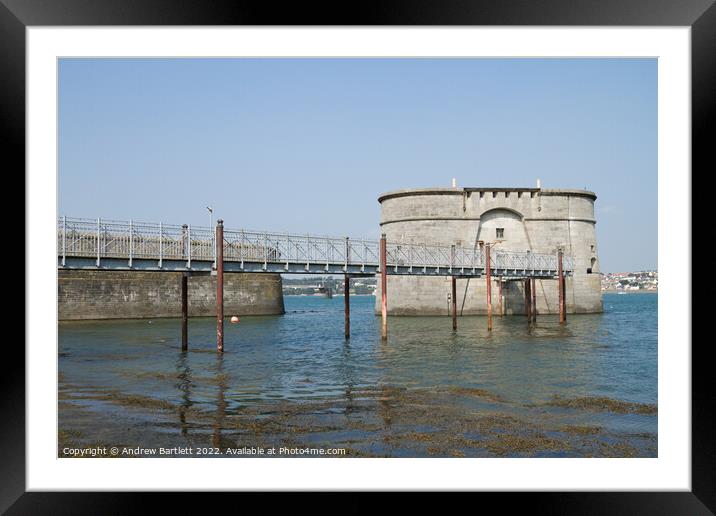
(534, 219)
(129, 295)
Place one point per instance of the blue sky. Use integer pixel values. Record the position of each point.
(307, 145)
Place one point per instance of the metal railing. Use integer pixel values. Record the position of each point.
(528, 260)
(101, 238)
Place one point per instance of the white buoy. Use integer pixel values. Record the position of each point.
(234, 319)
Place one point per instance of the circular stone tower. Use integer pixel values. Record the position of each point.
(511, 219)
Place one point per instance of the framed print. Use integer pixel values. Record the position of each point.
(413, 249)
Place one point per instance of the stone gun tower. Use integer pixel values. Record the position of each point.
(511, 219)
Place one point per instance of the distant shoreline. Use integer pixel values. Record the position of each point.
(334, 295)
(610, 291)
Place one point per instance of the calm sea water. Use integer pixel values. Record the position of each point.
(303, 356)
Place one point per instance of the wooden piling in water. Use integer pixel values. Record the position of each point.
(560, 280)
(347, 305)
(220, 285)
(528, 300)
(184, 312)
(488, 277)
(383, 288)
(533, 304)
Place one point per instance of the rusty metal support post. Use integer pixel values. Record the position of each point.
(499, 292)
(347, 301)
(528, 300)
(564, 298)
(383, 288)
(533, 304)
(184, 312)
(453, 296)
(454, 303)
(220, 285)
(528, 291)
(488, 276)
(560, 279)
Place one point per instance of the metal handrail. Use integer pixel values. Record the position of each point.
(133, 240)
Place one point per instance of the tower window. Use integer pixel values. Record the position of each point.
(590, 270)
(500, 233)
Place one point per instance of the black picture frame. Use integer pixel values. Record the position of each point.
(700, 15)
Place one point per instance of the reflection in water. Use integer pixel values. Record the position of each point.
(184, 386)
(220, 401)
(348, 376)
(302, 356)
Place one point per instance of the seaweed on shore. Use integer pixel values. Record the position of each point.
(603, 404)
(581, 429)
(478, 393)
(385, 421)
(511, 443)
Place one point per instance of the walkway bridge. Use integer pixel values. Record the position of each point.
(119, 245)
(100, 244)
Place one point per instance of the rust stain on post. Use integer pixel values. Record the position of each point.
(346, 294)
(184, 312)
(220, 285)
(383, 288)
(488, 277)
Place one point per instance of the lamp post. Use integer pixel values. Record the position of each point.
(211, 229)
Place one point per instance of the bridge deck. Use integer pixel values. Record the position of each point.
(119, 245)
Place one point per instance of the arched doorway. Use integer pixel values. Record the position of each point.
(503, 226)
